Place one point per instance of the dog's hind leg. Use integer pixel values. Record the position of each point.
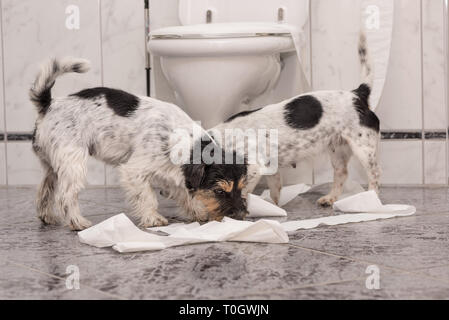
(274, 183)
(45, 199)
(141, 195)
(253, 177)
(71, 176)
(340, 155)
(365, 148)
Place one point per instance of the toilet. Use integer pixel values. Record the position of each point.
(215, 70)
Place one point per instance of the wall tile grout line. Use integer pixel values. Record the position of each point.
(5, 138)
(385, 135)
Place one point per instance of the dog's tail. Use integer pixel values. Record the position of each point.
(40, 92)
(365, 61)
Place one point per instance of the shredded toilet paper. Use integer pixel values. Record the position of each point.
(121, 233)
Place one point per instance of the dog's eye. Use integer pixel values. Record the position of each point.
(219, 191)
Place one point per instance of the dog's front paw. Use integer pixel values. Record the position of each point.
(153, 220)
(79, 223)
(326, 201)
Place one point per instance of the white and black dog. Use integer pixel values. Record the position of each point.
(133, 133)
(340, 122)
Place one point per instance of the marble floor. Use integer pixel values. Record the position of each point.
(411, 254)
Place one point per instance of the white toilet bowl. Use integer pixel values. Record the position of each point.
(217, 69)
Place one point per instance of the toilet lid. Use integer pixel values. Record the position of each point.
(221, 30)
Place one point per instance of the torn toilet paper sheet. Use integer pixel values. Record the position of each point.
(361, 207)
(287, 193)
(121, 233)
(259, 207)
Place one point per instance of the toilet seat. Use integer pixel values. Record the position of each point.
(221, 30)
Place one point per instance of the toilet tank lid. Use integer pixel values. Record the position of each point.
(222, 30)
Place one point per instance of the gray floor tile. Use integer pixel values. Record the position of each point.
(197, 271)
(327, 262)
(408, 243)
(21, 283)
(22, 209)
(441, 272)
(393, 286)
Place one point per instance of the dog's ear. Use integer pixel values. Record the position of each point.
(194, 175)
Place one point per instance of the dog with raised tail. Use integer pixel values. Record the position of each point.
(339, 122)
(135, 134)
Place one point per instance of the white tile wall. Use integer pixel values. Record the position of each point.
(112, 176)
(2, 106)
(412, 100)
(400, 105)
(2, 164)
(95, 172)
(394, 159)
(3, 169)
(435, 162)
(303, 173)
(335, 32)
(401, 162)
(35, 30)
(123, 41)
(163, 13)
(435, 116)
(23, 166)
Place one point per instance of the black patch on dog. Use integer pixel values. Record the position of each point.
(77, 67)
(91, 149)
(366, 116)
(204, 176)
(241, 114)
(33, 136)
(208, 176)
(303, 112)
(43, 99)
(122, 103)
